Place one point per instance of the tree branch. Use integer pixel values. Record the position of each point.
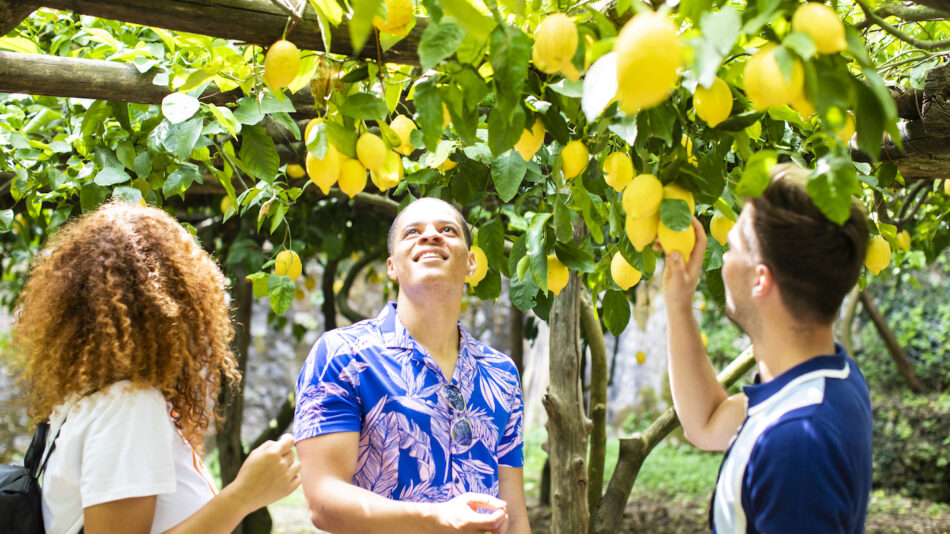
(598, 400)
(904, 12)
(343, 299)
(904, 367)
(919, 43)
(12, 14)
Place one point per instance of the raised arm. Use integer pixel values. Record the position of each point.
(328, 464)
(710, 417)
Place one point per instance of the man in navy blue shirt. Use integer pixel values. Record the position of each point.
(799, 439)
(405, 423)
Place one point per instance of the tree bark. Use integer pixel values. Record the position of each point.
(846, 323)
(598, 401)
(12, 14)
(904, 367)
(516, 337)
(567, 426)
(635, 449)
(258, 22)
(329, 298)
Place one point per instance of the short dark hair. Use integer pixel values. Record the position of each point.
(814, 260)
(391, 239)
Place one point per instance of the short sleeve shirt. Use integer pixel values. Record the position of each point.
(373, 378)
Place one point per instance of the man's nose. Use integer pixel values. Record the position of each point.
(430, 233)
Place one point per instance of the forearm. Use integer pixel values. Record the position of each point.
(342, 508)
(220, 515)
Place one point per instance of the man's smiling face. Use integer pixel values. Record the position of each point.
(429, 246)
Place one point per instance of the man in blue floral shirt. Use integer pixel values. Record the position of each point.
(405, 422)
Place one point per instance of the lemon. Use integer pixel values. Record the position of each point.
(713, 104)
(847, 131)
(310, 283)
(681, 241)
(531, 140)
(352, 178)
(803, 106)
(399, 17)
(642, 231)
(618, 170)
(642, 196)
(557, 274)
(447, 165)
(641, 357)
(822, 24)
(310, 126)
(879, 254)
(903, 240)
(295, 171)
(288, 263)
(390, 174)
(648, 58)
(481, 266)
(765, 84)
(226, 204)
(281, 64)
(371, 151)
(324, 172)
(719, 227)
(19, 223)
(673, 191)
(299, 294)
(688, 145)
(574, 159)
(555, 42)
(446, 116)
(946, 186)
(403, 126)
(624, 274)
(704, 338)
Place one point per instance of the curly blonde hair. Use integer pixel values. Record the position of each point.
(125, 293)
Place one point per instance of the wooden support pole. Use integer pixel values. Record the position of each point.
(258, 22)
(12, 14)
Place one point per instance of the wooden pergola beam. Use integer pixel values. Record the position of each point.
(12, 14)
(258, 22)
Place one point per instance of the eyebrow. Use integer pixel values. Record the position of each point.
(411, 224)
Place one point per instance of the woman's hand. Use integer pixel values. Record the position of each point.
(270, 472)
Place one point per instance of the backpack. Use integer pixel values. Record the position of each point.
(21, 508)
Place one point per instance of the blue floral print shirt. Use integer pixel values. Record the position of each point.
(373, 378)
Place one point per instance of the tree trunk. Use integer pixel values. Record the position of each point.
(329, 298)
(516, 337)
(904, 367)
(598, 401)
(846, 323)
(567, 426)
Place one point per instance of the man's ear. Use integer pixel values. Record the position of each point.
(764, 282)
(472, 264)
(391, 269)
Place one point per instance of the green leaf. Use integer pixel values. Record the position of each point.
(504, 129)
(721, 28)
(225, 118)
(472, 20)
(258, 280)
(600, 87)
(143, 164)
(281, 290)
(869, 120)
(510, 55)
(429, 106)
(121, 112)
(439, 41)
(832, 186)
(178, 107)
(19, 44)
(258, 153)
(6, 219)
(801, 44)
(181, 138)
(536, 251)
(491, 239)
(616, 311)
(625, 128)
(111, 176)
(507, 172)
(755, 177)
(361, 23)
(577, 258)
(330, 9)
(518, 251)
(344, 139)
(563, 224)
(364, 106)
(248, 111)
(523, 293)
(675, 215)
(127, 194)
(490, 286)
(180, 180)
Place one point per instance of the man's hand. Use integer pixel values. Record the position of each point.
(680, 279)
(461, 514)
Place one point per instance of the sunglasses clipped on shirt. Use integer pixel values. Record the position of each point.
(461, 429)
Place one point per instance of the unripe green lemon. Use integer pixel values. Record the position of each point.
(624, 274)
(288, 264)
(281, 64)
(574, 158)
(642, 231)
(324, 172)
(714, 104)
(352, 179)
(618, 170)
(879, 254)
(766, 86)
(371, 151)
(719, 227)
(481, 266)
(558, 274)
(822, 24)
(648, 60)
(642, 196)
(531, 140)
(682, 241)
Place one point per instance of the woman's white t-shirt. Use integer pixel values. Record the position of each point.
(116, 444)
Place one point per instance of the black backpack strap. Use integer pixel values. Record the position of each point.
(34, 454)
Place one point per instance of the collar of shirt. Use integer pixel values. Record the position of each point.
(760, 391)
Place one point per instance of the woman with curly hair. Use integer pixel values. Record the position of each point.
(124, 328)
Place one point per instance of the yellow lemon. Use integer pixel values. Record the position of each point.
(681, 241)
(822, 24)
(281, 64)
(878, 255)
(704, 338)
(618, 170)
(673, 191)
(713, 104)
(481, 266)
(847, 131)
(642, 196)
(766, 85)
(574, 159)
(648, 58)
(310, 126)
(299, 294)
(324, 172)
(399, 17)
(309, 283)
(642, 231)
(641, 357)
(688, 145)
(624, 274)
(371, 151)
(531, 140)
(446, 116)
(803, 106)
(557, 274)
(719, 227)
(295, 171)
(390, 174)
(946, 186)
(288, 263)
(352, 178)
(19, 223)
(403, 126)
(226, 204)
(555, 42)
(447, 165)
(903, 240)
